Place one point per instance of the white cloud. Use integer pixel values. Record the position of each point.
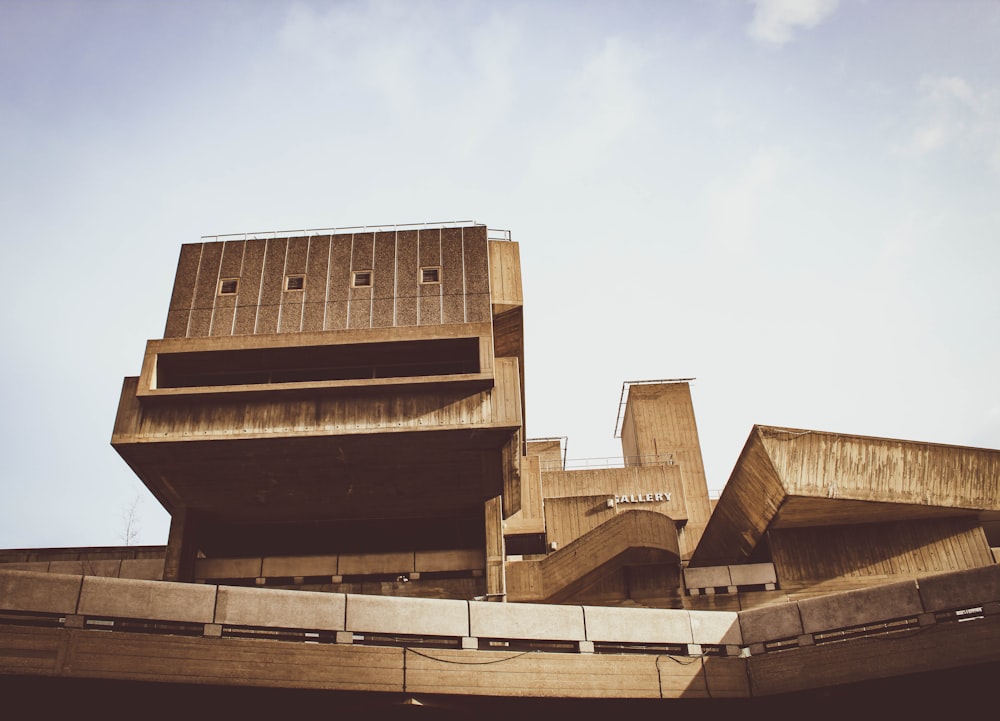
(954, 115)
(774, 21)
(426, 68)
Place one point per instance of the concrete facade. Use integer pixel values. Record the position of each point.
(335, 421)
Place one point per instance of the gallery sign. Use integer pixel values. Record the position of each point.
(642, 498)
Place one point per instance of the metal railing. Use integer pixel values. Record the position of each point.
(491, 233)
(623, 399)
(606, 462)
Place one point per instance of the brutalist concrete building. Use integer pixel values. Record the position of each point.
(336, 421)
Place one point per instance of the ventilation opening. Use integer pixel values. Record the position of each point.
(398, 639)
(672, 649)
(229, 286)
(279, 634)
(261, 366)
(172, 628)
(498, 644)
(362, 279)
(430, 275)
(295, 282)
(31, 618)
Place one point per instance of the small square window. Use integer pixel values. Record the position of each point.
(362, 278)
(295, 282)
(430, 275)
(229, 286)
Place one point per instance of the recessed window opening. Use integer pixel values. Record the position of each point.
(295, 282)
(430, 275)
(362, 278)
(229, 286)
(452, 356)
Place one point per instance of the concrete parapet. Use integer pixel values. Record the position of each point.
(153, 600)
(148, 569)
(716, 628)
(637, 625)
(364, 564)
(866, 605)
(526, 621)
(770, 623)
(36, 566)
(753, 574)
(41, 592)
(276, 608)
(299, 566)
(227, 568)
(708, 577)
(960, 589)
(426, 561)
(416, 616)
(106, 568)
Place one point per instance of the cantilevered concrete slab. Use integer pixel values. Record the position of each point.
(788, 478)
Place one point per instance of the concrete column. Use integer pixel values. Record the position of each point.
(182, 547)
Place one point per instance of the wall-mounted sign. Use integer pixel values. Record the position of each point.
(642, 498)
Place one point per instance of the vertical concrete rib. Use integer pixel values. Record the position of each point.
(260, 286)
(243, 256)
(350, 285)
(329, 278)
(194, 291)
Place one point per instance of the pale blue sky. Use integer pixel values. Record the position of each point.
(797, 203)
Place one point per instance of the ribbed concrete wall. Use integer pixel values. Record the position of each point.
(329, 296)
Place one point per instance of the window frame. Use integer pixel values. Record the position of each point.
(435, 269)
(223, 282)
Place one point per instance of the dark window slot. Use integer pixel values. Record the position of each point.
(421, 358)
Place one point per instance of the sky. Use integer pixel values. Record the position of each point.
(796, 203)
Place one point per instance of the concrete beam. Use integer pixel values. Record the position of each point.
(275, 608)
(707, 577)
(299, 566)
(152, 600)
(362, 564)
(753, 574)
(227, 568)
(637, 625)
(40, 592)
(960, 589)
(532, 621)
(866, 605)
(771, 623)
(716, 628)
(417, 616)
(147, 569)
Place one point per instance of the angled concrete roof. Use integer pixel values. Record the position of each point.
(789, 478)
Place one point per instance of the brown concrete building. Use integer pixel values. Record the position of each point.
(335, 421)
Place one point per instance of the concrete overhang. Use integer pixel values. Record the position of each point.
(460, 353)
(795, 478)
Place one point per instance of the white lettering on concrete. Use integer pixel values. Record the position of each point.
(643, 497)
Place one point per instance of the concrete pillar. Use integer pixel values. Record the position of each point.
(182, 547)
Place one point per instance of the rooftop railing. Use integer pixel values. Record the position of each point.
(491, 233)
(574, 464)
